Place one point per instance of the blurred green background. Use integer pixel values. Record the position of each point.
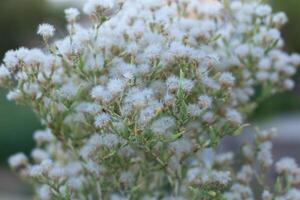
(18, 22)
(288, 101)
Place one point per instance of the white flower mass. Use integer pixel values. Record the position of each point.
(131, 101)
(46, 30)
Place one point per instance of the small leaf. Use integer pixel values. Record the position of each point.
(135, 189)
(278, 185)
(239, 130)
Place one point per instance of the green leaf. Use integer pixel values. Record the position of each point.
(181, 101)
(239, 130)
(135, 189)
(269, 48)
(278, 185)
(214, 136)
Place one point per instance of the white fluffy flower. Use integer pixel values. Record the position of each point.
(11, 59)
(208, 117)
(263, 10)
(44, 192)
(286, 165)
(109, 140)
(35, 171)
(102, 120)
(264, 155)
(234, 117)
(106, 7)
(87, 107)
(288, 84)
(72, 14)
(39, 155)
(4, 74)
(187, 85)
(222, 177)
(194, 110)
(227, 79)
(57, 173)
(46, 165)
(14, 95)
(266, 195)
(17, 160)
(43, 136)
(46, 30)
(242, 50)
(172, 83)
(205, 101)
(265, 64)
(101, 93)
(115, 86)
(75, 183)
(280, 18)
(245, 174)
(162, 125)
(68, 90)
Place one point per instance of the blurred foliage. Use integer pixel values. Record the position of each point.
(287, 101)
(291, 31)
(18, 21)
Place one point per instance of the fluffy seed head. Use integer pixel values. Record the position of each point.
(46, 30)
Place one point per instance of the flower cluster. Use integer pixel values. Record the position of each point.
(258, 165)
(132, 100)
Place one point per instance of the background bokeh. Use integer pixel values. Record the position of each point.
(288, 101)
(19, 20)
